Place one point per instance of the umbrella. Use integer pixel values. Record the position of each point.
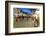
(26, 10)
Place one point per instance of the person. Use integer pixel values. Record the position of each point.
(35, 18)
